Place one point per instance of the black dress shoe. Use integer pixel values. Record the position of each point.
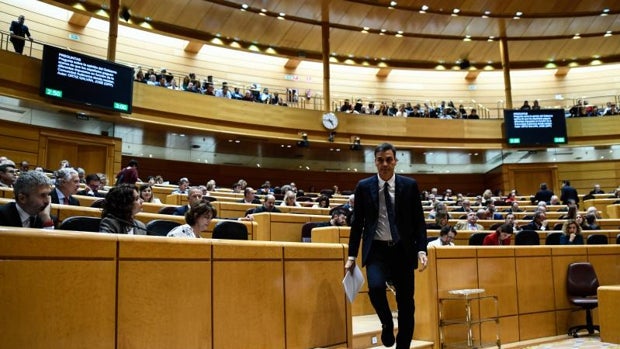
(387, 335)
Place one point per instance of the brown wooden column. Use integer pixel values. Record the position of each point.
(505, 57)
(115, 5)
(326, 51)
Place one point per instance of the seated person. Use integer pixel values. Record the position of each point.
(538, 223)
(121, 205)
(322, 202)
(146, 194)
(183, 186)
(194, 196)
(269, 205)
(446, 237)
(67, 185)
(197, 219)
(591, 222)
(470, 224)
(93, 183)
(8, 174)
(339, 219)
(501, 236)
(249, 196)
(290, 199)
(571, 233)
(31, 208)
(441, 221)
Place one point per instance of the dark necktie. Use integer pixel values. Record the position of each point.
(66, 200)
(31, 221)
(390, 212)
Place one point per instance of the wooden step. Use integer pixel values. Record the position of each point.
(367, 333)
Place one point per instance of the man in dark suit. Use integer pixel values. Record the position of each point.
(389, 218)
(544, 194)
(93, 182)
(67, 184)
(568, 193)
(194, 196)
(249, 196)
(18, 32)
(31, 208)
(268, 206)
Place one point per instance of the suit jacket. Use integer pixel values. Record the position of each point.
(10, 217)
(55, 200)
(181, 210)
(409, 217)
(568, 193)
(261, 208)
(254, 201)
(114, 226)
(543, 195)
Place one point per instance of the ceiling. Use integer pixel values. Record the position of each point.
(391, 33)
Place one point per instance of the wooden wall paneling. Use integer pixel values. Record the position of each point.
(527, 178)
(534, 295)
(609, 303)
(72, 303)
(153, 314)
(497, 275)
(92, 158)
(241, 280)
(537, 325)
(460, 272)
(310, 304)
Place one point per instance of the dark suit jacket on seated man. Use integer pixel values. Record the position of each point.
(390, 221)
(31, 208)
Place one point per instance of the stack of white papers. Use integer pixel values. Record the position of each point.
(353, 281)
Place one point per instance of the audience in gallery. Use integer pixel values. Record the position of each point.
(571, 233)
(254, 93)
(197, 219)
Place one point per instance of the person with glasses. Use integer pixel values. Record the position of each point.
(8, 174)
(446, 237)
(501, 236)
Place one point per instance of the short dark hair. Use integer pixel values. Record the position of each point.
(447, 229)
(505, 228)
(133, 163)
(92, 177)
(383, 147)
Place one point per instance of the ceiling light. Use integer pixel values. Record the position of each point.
(282, 14)
(263, 10)
(393, 3)
(607, 34)
(577, 36)
(519, 14)
(456, 10)
(383, 30)
(424, 8)
(605, 12)
(245, 6)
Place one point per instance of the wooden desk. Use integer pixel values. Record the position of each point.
(609, 318)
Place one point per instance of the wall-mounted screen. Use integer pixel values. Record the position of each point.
(85, 80)
(533, 128)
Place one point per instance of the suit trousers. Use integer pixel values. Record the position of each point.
(388, 262)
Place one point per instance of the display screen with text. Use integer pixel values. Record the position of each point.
(86, 80)
(526, 128)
